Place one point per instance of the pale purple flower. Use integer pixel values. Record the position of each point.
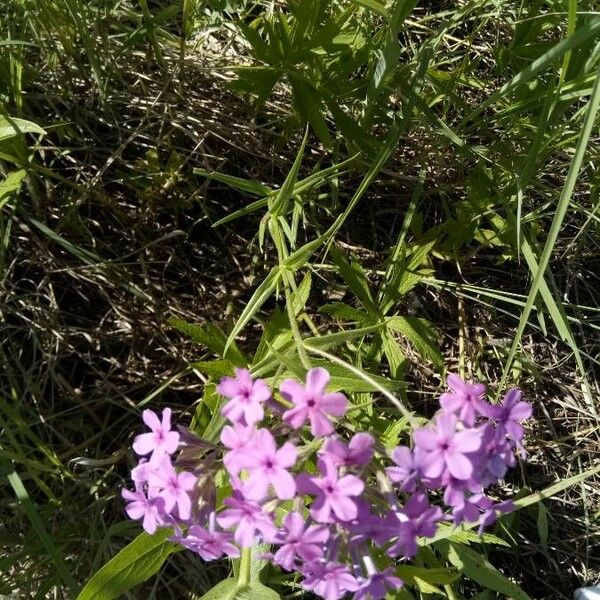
(150, 510)
(378, 585)
(173, 488)
(268, 466)
(466, 399)
(357, 453)
(246, 397)
(510, 412)
(161, 440)
(443, 449)
(417, 519)
(334, 493)
(208, 543)
(367, 526)
(248, 518)
(490, 514)
(312, 402)
(239, 440)
(299, 541)
(406, 471)
(330, 580)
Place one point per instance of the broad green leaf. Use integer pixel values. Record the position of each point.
(13, 127)
(136, 563)
(476, 567)
(344, 312)
(229, 589)
(224, 590)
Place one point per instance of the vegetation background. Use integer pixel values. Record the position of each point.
(411, 186)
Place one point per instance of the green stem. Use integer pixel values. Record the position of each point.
(245, 563)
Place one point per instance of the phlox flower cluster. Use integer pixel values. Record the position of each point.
(341, 512)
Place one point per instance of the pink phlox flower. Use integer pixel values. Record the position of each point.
(329, 580)
(357, 453)
(239, 439)
(208, 543)
(139, 506)
(490, 514)
(247, 518)
(417, 519)
(510, 413)
(367, 526)
(406, 471)
(246, 397)
(173, 488)
(379, 585)
(161, 440)
(312, 402)
(444, 449)
(334, 493)
(299, 541)
(268, 465)
(466, 399)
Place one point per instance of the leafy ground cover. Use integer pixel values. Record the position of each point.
(411, 187)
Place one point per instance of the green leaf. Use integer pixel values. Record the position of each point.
(11, 185)
(229, 589)
(376, 7)
(136, 563)
(421, 335)
(212, 337)
(237, 183)
(13, 127)
(479, 569)
(260, 296)
(355, 278)
(224, 590)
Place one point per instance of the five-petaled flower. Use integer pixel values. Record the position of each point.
(246, 397)
(161, 440)
(312, 402)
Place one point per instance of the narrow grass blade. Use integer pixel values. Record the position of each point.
(37, 524)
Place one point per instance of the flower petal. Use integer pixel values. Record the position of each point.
(316, 381)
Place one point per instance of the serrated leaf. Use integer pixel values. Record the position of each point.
(136, 563)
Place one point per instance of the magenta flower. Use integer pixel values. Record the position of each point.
(357, 453)
(239, 440)
(330, 581)
(248, 518)
(466, 399)
(208, 543)
(379, 585)
(312, 403)
(173, 488)
(161, 440)
(406, 471)
(267, 466)
(334, 493)
(510, 412)
(150, 510)
(442, 449)
(246, 397)
(297, 541)
(417, 518)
